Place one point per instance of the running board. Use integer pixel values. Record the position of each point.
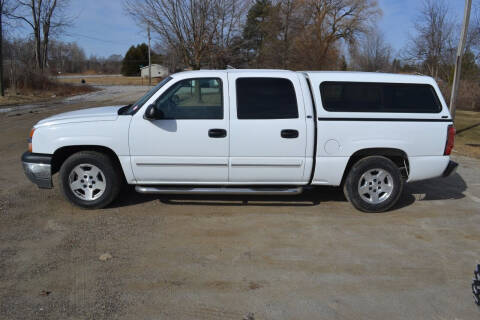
(230, 190)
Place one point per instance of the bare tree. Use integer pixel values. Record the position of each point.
(301, 34)
(7, 7)
(193, 27)
(371, 53)
(433, 44)
(229, 15)
(286, 22)
(66, 57)
(44, 17)
(18, 55)
(329, 22)
(473, 36)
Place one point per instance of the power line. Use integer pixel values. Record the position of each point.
(93, 38)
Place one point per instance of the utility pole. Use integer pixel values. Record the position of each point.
(458, 62)
(149, 59)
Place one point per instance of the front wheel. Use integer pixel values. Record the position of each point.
(90, 179)
(374, 184)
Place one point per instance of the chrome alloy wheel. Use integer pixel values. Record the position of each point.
(375, 186)
(87, 182)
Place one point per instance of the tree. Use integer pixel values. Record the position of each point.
(135, 57)
(6, 8)
(66, 57)
(309, 34)
(196, 29)
(283, 23)
(44, 17)
(473, 36)
(432, 46)
(254, 31)
(469, 67)
(327, 24)
(371, 53)
(229, 14)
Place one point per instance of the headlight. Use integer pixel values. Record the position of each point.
(30, 148)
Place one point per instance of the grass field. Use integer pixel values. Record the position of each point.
(467, 140)
(108, 80)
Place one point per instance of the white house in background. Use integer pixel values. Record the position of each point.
(158, 71)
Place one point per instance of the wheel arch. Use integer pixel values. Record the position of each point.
(397, 156)
(62, 154)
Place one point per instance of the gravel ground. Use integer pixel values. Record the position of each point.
(218, 257)
(104, 96)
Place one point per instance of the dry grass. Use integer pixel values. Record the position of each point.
(467, 140)
(57, 90)
(108, 80)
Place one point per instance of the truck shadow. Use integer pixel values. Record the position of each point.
(434, 189)
(449, 188)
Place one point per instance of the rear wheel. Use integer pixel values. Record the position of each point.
(90, 179)
(374, 184)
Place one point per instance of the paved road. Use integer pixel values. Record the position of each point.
(307, 257)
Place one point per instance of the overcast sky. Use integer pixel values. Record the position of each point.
(102, 28)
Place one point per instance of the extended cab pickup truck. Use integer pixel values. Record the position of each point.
(252, 132)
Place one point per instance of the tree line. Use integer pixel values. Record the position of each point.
(29, 61)
(299, 34)
(307, 35)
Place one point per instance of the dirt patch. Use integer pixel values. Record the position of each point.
(36, 96)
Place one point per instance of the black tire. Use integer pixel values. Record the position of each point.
(113, 180)
(369, 164)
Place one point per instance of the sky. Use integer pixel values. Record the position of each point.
(102, 28)
(399, 16)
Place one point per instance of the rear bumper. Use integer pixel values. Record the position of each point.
(38, 169)
(451, 168)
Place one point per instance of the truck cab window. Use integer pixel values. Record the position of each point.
(199, 98)
(266, 98)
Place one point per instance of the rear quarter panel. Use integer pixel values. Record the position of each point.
(340, 134)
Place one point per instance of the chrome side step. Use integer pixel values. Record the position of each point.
(227, 190)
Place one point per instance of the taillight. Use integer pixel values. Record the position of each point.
(450, 140)
(30, 147)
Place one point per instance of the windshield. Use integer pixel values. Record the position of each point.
(139, 103)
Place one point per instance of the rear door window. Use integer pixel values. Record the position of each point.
(379, 97)
(266, 98)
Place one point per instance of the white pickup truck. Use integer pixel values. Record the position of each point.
(252, 132)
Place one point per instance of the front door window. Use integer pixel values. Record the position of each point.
(188, 99)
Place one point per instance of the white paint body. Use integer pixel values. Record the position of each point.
(173, 152)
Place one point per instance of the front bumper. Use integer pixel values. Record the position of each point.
(451, 168)
(38, 169)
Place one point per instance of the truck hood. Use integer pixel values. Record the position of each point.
(84, 115)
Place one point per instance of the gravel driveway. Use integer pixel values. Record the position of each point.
(104, 96)
(225, 257)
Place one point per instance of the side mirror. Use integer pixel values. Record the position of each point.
(153, 113)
